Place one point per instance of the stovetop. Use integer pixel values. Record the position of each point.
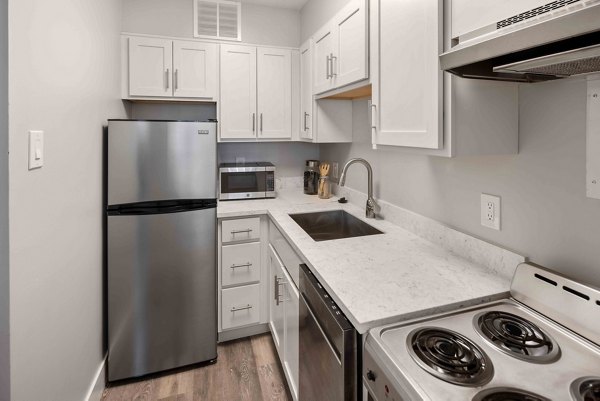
(498, 351)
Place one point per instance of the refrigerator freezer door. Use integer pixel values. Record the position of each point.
(152, 160)
(161, 292)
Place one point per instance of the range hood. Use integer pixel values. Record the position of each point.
(559, 40)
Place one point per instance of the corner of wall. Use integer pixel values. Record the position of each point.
(4, 257)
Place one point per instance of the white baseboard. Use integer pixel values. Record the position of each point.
(98, 384)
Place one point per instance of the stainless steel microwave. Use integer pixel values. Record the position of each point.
(247, 181)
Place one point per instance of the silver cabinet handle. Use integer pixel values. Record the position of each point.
(176, 79)
(167, 76)
(240, 308)
(373, 116)
(239, 266)
(305, 123)
(333, 73)
(278, 283)
(253, 122)
(261, 123)
(247, 231)
(327, 65)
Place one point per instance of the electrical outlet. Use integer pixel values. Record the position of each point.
(335, 170)
(490, 211)
(240, 161)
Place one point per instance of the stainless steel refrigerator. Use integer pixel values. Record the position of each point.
(161, 245)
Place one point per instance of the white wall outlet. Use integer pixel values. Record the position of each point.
(490, 211)
(240, 160)
(335, 173)
(36, 149)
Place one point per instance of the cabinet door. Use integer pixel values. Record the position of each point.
(306, 92)
(407, 81)
(292, 330)
(238, 92)
(276, 311)
(323, 52)
(274, 89)
(150, 67)
(195, 69)
(350, 61)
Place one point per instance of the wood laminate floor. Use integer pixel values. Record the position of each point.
(246, 370)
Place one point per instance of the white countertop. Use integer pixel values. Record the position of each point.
(377, 279)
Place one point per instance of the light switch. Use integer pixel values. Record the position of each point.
(36, 149)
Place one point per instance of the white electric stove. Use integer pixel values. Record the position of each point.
(542, 343)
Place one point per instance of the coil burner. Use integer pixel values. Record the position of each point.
(450, 356)
(517, 336)
(586, 389)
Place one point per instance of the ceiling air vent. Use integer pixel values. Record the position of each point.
(218, 19)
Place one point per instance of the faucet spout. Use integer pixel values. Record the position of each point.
(370, 208)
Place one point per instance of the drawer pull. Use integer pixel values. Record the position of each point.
(238, 266)
(279, 282)
(237, 309)
(247, 231)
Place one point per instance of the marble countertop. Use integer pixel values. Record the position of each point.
(377, 279)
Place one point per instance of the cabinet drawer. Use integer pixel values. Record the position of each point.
(240, 306)
(240, 230)
(240, 264)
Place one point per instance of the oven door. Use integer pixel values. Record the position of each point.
(243, 183)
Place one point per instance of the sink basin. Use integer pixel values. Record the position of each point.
(336, 224)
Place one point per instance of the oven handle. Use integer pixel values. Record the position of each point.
(316, 321)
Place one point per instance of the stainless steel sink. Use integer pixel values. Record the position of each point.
(336, 224)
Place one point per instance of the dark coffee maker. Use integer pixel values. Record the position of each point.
(311, 177)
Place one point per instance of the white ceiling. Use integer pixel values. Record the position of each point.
(293, 4)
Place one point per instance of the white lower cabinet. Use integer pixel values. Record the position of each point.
(242, 278)
(292, 332)
(240, 306)
(240, 264)
(284, 303)
(276, 309)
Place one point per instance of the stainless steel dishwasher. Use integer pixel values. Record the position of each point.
(328, 351)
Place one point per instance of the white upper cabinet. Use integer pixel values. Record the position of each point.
(238, 92)
(274, 92)
(195, 69)
(350, 61)
(323, 53)
(256, 93)
(165, 68)
(306, 93)
(406, 40)
(422, 109)
(150, 67)
(341, 49)
(325, 120)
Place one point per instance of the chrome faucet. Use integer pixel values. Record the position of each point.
(370, 210)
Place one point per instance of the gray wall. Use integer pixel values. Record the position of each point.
(289, 158)
(316, 13)
(545, 212)
(260, 25)
(176, 111)
(64, 79)
(4, 272)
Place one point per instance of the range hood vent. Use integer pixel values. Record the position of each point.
(558, 40)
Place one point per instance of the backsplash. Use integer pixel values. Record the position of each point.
(289, 158)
